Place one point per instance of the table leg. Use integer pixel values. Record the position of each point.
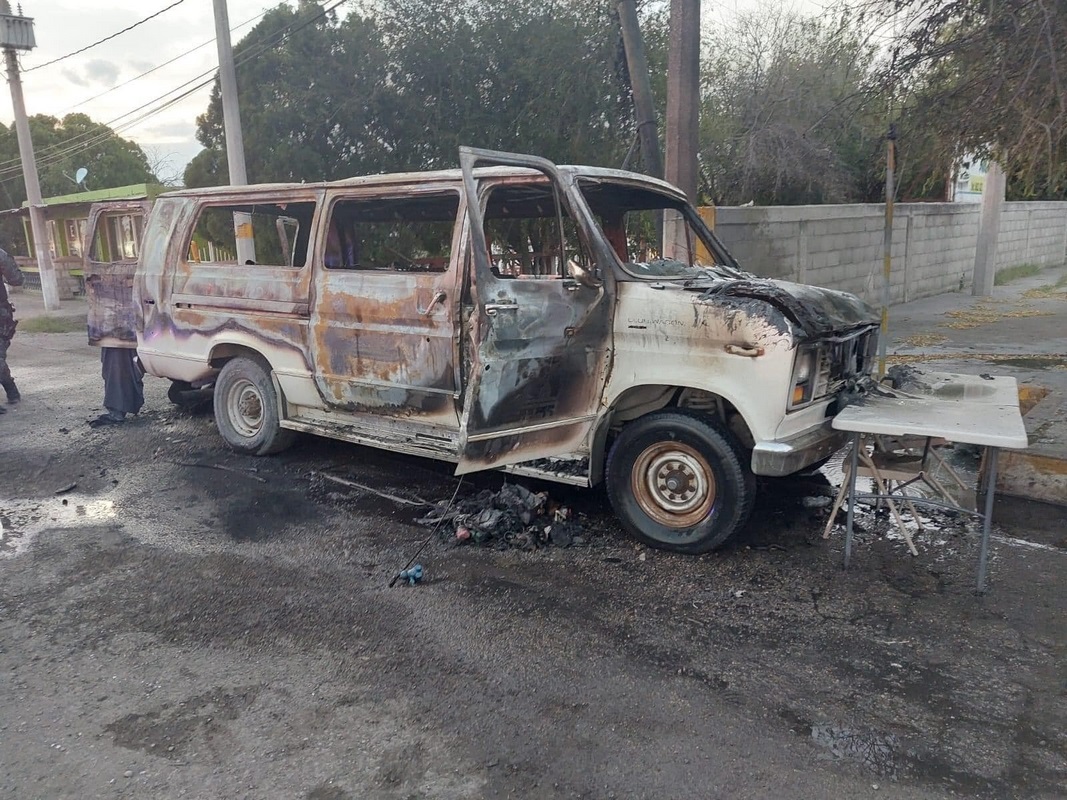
(851, 496)
(987, 519)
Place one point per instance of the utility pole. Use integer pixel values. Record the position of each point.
(887, 242)
(231, 120)
(985, 255)
(16, 33)
(637, 67)
(683, 113)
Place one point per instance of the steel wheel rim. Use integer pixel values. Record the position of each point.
(673, 484)
(244, 407)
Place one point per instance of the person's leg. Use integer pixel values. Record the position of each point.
(123, 384)
(6, 380)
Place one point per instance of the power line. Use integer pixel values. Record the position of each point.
(89, 139)
(85, 140)
(105, 39)
(158, 66)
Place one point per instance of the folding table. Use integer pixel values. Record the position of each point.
(969, 409)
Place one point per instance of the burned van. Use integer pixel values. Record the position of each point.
(576, 324)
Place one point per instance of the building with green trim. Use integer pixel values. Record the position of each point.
(66, 217)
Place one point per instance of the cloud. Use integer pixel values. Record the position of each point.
(169, 131)
(102, 71)
(75, 78)
(142, 66)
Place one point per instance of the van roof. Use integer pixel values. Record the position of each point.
(434, 176)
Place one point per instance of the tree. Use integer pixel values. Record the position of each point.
(789, 110)
(61, 147)
(988, 77)
(323, 98)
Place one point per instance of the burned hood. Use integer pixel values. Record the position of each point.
(814, 311)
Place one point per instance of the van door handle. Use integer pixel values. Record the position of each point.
(149, 302)
(739, 350)
(439, 297)
(491, 309)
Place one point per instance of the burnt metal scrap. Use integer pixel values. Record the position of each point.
(512, 517)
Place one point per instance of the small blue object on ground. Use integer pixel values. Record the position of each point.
(412, 575)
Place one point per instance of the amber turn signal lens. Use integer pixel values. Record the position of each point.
(798, 395)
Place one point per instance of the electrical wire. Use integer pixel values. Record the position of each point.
(114, 127)
(105, 39)
(429, 536)
(234, 29)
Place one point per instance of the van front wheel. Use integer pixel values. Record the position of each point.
(676, 482)
(246, 409)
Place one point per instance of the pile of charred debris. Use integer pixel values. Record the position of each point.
(512, 517)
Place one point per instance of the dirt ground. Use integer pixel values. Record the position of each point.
(185, 622)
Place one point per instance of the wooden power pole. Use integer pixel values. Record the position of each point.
(644, 108)
(16, 33)
(683, 110)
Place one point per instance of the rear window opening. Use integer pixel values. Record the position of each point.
(280, 234)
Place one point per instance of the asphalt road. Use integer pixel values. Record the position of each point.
(185, 622)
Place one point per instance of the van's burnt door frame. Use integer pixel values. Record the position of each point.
(540, 348)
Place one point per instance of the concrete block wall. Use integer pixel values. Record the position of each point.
(841, 246)
(1031, 233)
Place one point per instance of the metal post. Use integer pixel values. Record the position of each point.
(855, 459)
(38, 223)
(887, 244)
(987, 519)
(231, 116)
(683, 115)
(637, 66)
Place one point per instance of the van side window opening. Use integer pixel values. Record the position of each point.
(523, 233)
(280, 232)
(631, 219)
(117, 238)
(403, 234)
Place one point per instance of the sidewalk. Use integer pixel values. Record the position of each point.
(1020, 331)
(30, 305)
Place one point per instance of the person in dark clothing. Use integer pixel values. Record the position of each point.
(11, 275)
(123, 385)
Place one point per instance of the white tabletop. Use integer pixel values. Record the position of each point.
(961, 408)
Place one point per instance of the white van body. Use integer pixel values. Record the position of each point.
(574, 323)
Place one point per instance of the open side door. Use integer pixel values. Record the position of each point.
(539, 334)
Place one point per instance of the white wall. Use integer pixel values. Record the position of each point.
(840, 246)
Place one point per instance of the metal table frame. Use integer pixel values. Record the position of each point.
(980, 410)
(986, 491)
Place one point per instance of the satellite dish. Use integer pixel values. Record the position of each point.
(81, 175)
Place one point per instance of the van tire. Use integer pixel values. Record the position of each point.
(246, 408)
(677, 482)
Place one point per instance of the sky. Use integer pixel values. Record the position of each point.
(95, 82)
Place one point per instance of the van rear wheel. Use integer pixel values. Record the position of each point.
(676, 482)
(246, 409)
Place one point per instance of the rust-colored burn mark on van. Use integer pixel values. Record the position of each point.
(385, 343)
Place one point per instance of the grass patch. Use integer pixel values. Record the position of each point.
(987, 311)
(1014, 273)
(52, 325)
(924, 339)
(1050, 291)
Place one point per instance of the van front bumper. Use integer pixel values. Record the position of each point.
(776, 459)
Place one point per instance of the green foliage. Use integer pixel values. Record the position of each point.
(986, 78)
(1009, 274)
(53, 324)
(110, 159)
(403, 87)
(788, 110)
